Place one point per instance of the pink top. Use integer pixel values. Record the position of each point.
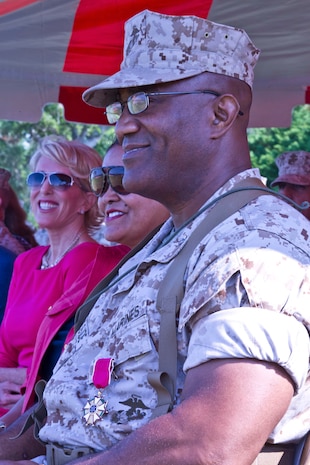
(33, 291)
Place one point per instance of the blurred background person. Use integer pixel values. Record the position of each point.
(7, 258)
(15, 233)
(50, 282)
(294, 177)
(128, 218)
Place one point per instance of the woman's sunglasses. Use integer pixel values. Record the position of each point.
(101, 178)
(60, 181)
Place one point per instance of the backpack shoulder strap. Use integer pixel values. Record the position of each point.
(171, 291)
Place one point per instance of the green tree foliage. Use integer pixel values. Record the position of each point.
(267, 143)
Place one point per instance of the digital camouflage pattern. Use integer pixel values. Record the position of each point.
(162, 48)
(294, 168)
(247, 294)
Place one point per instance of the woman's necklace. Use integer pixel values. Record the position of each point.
(46, 258)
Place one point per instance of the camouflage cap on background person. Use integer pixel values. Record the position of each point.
(4, 178)
(294, 168)
(162, 48)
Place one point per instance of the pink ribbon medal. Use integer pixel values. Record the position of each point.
(96, 407)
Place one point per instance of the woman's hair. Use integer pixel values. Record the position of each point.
(15, 218)
(80, 159)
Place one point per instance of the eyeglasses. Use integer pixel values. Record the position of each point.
(139, 102)
(59, 181)
(101, 178)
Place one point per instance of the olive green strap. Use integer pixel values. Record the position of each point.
(171, 291)
(38, 415)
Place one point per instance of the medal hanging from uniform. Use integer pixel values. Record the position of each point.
(96, 407)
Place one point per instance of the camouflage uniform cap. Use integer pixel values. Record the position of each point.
(4, 178)
(162, 48)
(294, 168)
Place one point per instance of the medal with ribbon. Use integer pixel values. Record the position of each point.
(96, 407)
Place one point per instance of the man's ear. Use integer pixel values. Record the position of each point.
(225, 112)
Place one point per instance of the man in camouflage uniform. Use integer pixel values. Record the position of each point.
(181, 103)
(294, 177)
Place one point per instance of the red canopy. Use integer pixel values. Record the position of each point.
(51, 50)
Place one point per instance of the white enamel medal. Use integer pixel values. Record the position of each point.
(94, 409)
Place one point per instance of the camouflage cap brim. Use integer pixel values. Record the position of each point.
(162, 48)
(292, 179)
(106, 92)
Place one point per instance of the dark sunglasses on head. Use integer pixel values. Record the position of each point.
(60, 181)
(101, 178)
